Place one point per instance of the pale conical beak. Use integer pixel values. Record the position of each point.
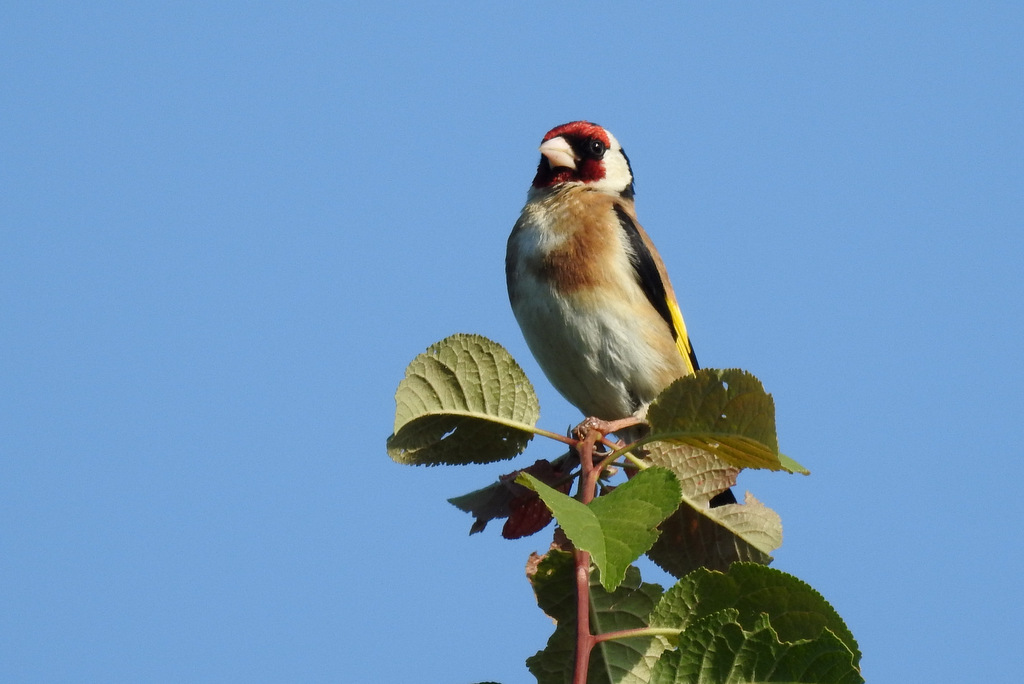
(558, 153)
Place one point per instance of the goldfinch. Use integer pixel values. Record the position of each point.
(586, 284)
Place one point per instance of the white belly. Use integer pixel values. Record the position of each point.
(594, 356)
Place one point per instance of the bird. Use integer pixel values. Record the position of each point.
(588, 288)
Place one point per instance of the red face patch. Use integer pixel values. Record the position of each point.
(588, 170)
(579, 129)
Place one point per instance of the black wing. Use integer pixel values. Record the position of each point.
(647, 275)
(646, 269)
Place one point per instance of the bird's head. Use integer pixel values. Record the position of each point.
(584, 153)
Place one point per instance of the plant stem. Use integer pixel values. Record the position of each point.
(584, 639)
(588, 488)
(554, 435)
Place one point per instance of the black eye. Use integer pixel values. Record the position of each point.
(595, 149)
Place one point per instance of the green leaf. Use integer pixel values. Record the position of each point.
(718, 650)
(726, 412)
(464, 400)
(698, 536)
(616, 528)
(701, 474)
(791, 466)
(620, 661)
(694, 537)
(796, 611)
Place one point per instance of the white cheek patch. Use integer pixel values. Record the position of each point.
(617, 176)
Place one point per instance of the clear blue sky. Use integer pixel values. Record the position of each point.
(225, 229)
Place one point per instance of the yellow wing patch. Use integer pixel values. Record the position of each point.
(682, 339)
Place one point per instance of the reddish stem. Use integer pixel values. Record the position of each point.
(584, 639)
(588, 488)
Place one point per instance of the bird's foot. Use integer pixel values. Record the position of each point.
(604, 427)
